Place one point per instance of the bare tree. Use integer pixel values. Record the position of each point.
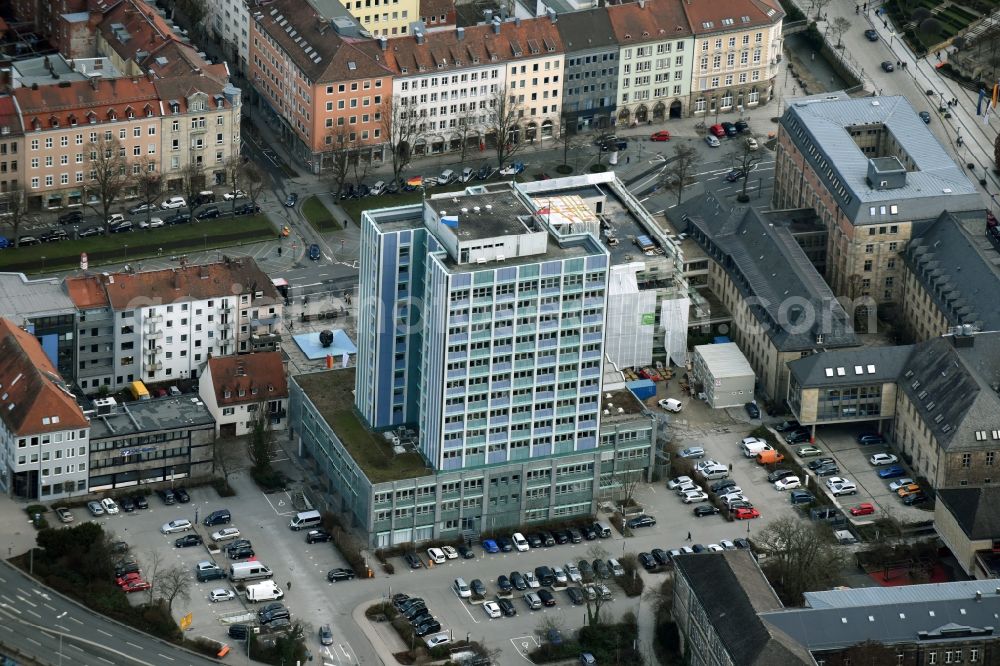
(818, 5)
(467, 127)
(677, 175)
(235, 171)
(255, 181)
(839, 26)
(503, 121)
(14, 211)
(745, 162)
(400, 129)
(547, 624)
(109, 175)
(340, 160)
(799, 557)
(594, 606)
(597, 552)
(260, 442)
(154, 562)
(360, 165)
(192, 182)
(228, 456)
(149, 187)
(172, 584)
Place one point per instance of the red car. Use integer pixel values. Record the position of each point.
(717, 130)
(136, 586)
(863, 509)
(650, 373)
(746, 514)
(662, 135)
(127, 579)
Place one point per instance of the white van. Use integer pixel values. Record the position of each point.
(447, 177)
(751, 446)
(266, 591)
(461, 588)
(378, 188)
(249, 571)
(305, 519)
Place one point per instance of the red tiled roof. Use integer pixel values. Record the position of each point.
(86, 292)
(178, 88)
(9, 117)
(649, 22)
(190, 283)
(430, 8)
(710, 16)
(74, 101)
(259, 376)
(442, 50)
(33, 397)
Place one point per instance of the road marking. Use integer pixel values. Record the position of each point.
(106, 661)
(33, 613)
(164, 656)
(30, 603)
(76, 620)
(28, 638)
(4, 626)
(50, 607)
(138, 647)
(101, 631)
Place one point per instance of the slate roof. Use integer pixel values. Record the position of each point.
(840, 367)
(848, 597)
(653, 22)
(764, 261)
(820, 629)
(938, 371)
(951, 266)
(976, 510)
(732, 590)
(260, 376)
(590, 29)
(933, 184)
(444, 51)
(710, 16)
(34, 399)
(51, 106)
(179, 88)
(311, 42)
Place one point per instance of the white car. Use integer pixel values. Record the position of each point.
(671, 405)
(900, 483)
(560, 575)
(708, 462)
(883, 459)
(109, 505)
(678, 481)
(154, 223)
(788, 483)
(730, 499)
(573, 572)
(238, 194)
(693, 496)
(492, 609)
(685, 488)
(436, 555)
(450, 552)
(730, 490)
(727, 544)
(225, 534)
(841, 486)
(520, 543)
(714, 548)
(752, 143)
(173, 202)
(179, 525)
(221, 594)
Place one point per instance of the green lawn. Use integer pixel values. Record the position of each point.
(318, 215)
(140, 244)
(331, 392)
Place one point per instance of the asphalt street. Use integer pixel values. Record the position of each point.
(43, 624)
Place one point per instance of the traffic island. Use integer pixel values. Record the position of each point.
(137, 245)
(319, 216)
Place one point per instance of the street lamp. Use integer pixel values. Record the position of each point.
(126, 252)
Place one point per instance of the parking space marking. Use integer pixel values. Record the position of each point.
(523, 644)
(465, 607)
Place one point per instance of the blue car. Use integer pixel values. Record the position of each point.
(490, 546)
(891, 472)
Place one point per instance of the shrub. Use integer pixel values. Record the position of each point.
(223, 488)
(33, 509)
(268, 479)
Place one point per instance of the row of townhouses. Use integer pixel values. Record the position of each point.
(125, 79)
(331, 78)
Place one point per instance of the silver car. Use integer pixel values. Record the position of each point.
(533, 600)
(95, 508)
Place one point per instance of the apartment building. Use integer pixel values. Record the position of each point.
(166, 324)
(450, 79)
(229, 21)
(201, 127)
(385, 18)
(951, 277)
(781, 308)
(322, 80)
(234, 388)
(66, 124)
(590, 80)
(11, 148)
(654, 69)
(874, 174)
(44, 435)
(737, 51)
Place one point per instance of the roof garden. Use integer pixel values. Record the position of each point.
(332, 393)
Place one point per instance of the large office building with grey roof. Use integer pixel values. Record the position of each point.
(478, 401)
(874, 173)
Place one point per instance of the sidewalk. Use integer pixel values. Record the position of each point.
(383, 638)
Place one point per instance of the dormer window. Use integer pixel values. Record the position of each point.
(36, 124)
(53, 121)
(253, 391)
(243, 392)
(112, 115)
(91, 117)
(149, 111)
(129, 113)
(72, 120)
(227, 394)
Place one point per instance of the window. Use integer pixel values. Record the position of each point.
(966, 460)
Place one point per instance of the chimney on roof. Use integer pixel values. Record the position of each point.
(496, 26)
(517, 21)
(93, 82)
(419, 36)
(383, 41)
(460, 33)
(552, 14)
(642, 4)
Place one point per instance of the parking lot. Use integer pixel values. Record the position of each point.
(853, 459)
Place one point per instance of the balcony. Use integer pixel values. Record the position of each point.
(155, 349)
(155, 319)
(264, 340)
(266, 321)
(154, 335)
(152, 367)
(224, 326)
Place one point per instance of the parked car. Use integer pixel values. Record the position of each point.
(868, 438)
(221, 594)
(712, 141)
(915, 498)
(490, 546)
(692, 452)
(787, 483)
(863, 509)
(705, 510)
(670, 405)
(180, 492)
(318, 536)
(900, 483)
(504, 584)
(512, 169)
(64, 514)
(601, 569)
(819, 462)
(801, 497)
(891, 472)
(785, 426)
(883, 459)
(746, 514)
(110, 507)
(640, 521)
(798, 436)
(779, 474)
(678, 481)
(662, 135)
(25, 241)
(752, 144)
(178, 525)
(717, 130)
(840, 486)
(173, 202)
(208, 213)
(140, 501)
(238, 194)
(808, 451)
(339, 574)
(413, 561)
(178, 218)
(187, 541)
(492, 609)
(548, 599)
(95, 508)
(506, 607)
(753, 411)
(53, 235)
